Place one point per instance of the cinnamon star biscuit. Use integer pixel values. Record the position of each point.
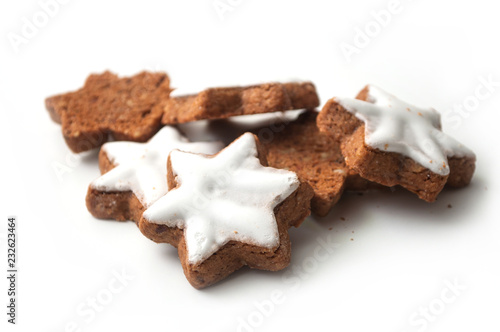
(127, 109)
(220, 103)
(391, 142)
(226, 211)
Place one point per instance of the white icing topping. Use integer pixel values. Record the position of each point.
(395, 126)
(230, 196)
(142, 167)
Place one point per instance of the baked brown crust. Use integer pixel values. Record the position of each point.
(461, 171)
(117, 205)
(387, 168)
(123, 108)
(302, 95)
(316, 158)
(220, 103)
(234, 255)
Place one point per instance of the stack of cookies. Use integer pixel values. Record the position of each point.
(224, 207)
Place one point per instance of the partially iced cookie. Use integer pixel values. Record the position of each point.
(391, 142)
(134, 175)
(226, 211)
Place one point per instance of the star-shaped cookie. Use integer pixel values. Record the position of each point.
(300, 147)
(226, 211)
(135, 174)
(127, 109)
(391, 142)
(221, 103)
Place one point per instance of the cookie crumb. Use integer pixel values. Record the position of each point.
(352, 232)
(352, 239)
(342, 218)
(449, 206)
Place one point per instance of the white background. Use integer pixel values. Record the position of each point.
(403, 250)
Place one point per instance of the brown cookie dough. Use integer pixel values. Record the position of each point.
(220, 103)
(125, 108)
(317, 160)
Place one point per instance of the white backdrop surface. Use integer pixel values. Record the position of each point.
(389, 262)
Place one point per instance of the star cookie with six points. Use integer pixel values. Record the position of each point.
(226, 211)
(126, 109)
(391, 142)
